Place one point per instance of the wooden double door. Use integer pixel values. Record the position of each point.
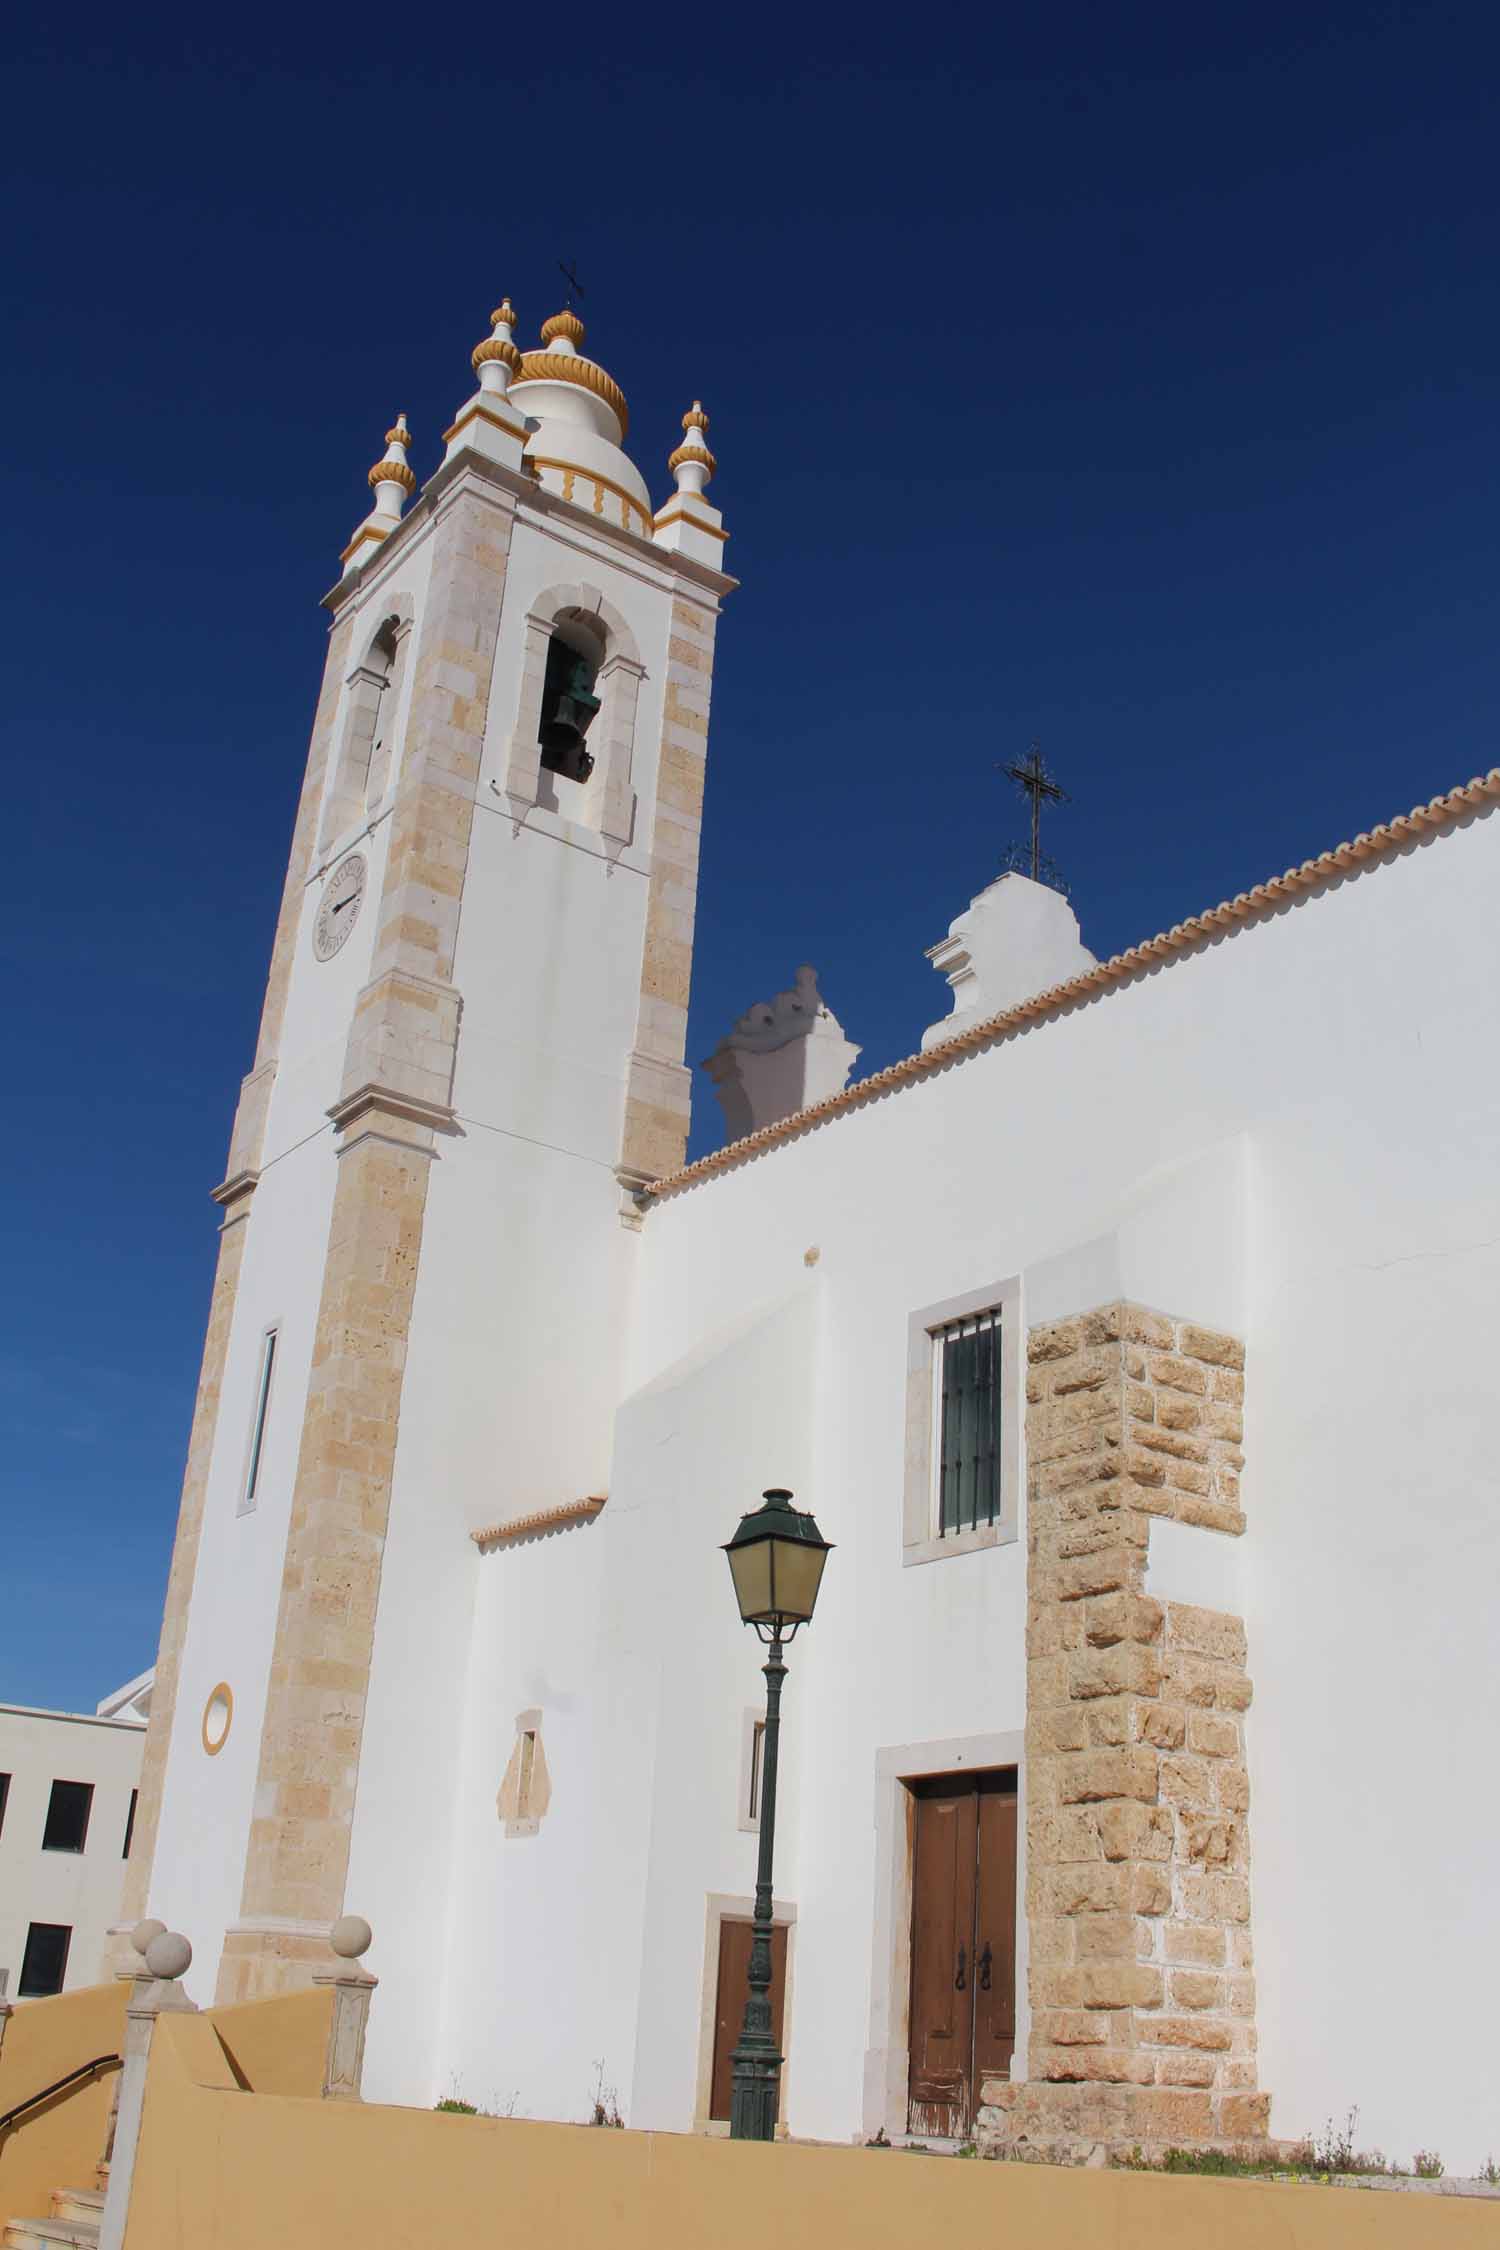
(963, 1946)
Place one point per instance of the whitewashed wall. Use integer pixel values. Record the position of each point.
(1344, 1055)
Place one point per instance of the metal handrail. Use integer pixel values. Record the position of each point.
(84, 2070)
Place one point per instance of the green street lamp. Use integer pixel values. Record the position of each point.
(776, 1559)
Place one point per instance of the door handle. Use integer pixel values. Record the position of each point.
(960, 1982)
(985, 1960)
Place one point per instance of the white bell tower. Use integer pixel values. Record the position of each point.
(471, 1054)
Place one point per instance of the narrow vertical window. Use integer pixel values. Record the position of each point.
(68, 1812)
(135, 1798)
(968, 1372)
(4, 1793)
(44, 1964)
(528, 1768)
(258, 1426)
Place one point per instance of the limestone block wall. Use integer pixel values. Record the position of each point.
(1138, 1842)
(658, 1089)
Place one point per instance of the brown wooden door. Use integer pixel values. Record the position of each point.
(729, 2004)
(963, 1947)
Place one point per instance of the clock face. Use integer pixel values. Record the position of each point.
(338, 909)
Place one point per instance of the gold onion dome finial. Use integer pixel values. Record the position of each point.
(692, 464)
(392, 467)
(565, 326)
(498, 349)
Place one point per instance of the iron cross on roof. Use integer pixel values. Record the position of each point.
(574, 284)
(1034, 781)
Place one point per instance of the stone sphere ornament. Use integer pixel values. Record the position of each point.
(144, 1932)
(169, 1955)
(350, 1936)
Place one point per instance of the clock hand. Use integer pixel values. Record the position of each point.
(343, 902)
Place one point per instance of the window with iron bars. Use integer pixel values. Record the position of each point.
(966, 1374)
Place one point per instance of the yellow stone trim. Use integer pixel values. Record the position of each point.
(393, 472)
(694, 450)
(607, 484)
(485, 414)
(212, 1746)
(494, 347)
(564, 324)
(562, 367)
(681, 515)
(542, 1519)
(367, 532)
(1438, 817)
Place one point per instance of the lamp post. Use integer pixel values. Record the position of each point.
(776, 1559)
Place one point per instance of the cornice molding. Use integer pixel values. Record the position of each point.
(236, 1189)
(543, 1519)
(439, 1117)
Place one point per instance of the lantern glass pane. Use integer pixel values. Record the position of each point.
(797, 1570)
(751, 1570)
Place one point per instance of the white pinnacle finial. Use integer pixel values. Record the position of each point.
(496, 360)
(393, 483)
(692, 464)
(391, 479)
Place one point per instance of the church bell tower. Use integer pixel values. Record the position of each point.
(470, 1059)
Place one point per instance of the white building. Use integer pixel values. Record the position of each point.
(1133, 1341)
(68, 1789)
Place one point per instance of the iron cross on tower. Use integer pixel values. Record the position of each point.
(574, 284)
(1034, 781)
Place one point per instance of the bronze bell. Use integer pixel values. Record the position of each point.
(569, 706)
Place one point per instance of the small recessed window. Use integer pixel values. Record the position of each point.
(67, 1820)
(966, 1371)
(44, 1964)
(135, 1798)
(4, 1793)
(262, 1412)
(961, 1490)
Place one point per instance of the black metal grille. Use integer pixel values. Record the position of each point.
(969, 1460)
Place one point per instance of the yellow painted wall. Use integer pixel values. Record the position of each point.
(224, 2170)
(60, 2144)
(278, 2046)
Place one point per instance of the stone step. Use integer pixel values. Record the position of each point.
(49, 2234)
(78, 2203)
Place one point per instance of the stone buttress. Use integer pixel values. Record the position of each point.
(1138, 1841)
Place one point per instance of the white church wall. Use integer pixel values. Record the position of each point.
(690, 1460)
(1346, 1040)
(198, 1869)
(582, 1944)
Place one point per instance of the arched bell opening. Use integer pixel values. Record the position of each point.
(570, 706)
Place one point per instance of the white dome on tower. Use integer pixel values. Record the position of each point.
(577, 448)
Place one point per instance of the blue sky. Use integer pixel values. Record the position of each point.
(1123, 378)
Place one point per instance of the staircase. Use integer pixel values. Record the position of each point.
(74, 2222)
